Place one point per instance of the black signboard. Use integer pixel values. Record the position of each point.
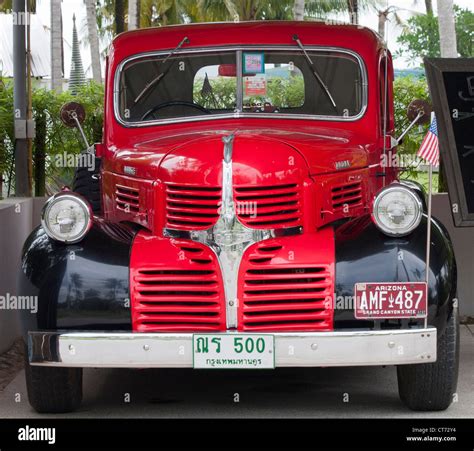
(451, 83)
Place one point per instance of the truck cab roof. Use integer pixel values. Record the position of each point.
(359, 39)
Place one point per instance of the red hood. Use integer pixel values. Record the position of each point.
(257, 153)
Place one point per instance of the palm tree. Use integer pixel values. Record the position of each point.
(447, 31)
(240, 10)
(384, 15)
(93, 40)
(320, 8)
(111, 14)
(133, 14)
(298, 10)
(56, 46)
(429, 6)
(119, 12)
(447, 41)
(353, 8)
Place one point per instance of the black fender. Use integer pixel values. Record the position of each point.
(81, 286)
(365, 254)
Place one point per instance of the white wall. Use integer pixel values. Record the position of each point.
(463, 242)
(18, 216)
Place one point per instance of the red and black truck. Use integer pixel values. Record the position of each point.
(242, 214)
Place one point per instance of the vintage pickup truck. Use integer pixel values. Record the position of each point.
(242, 211)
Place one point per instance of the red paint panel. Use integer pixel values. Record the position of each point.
(192, 207)
(273, 206)
(128, 199)
(175, 286)
(287, 284)
(352, 138)
(342, 195)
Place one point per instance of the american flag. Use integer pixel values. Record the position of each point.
(429, 149)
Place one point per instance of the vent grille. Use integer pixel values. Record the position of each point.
(127, 199)
(273, 206)
(176, 299)
(285, 297)
(191, 207)
(348, 194)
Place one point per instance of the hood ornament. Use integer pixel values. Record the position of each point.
(228, 237)
(228, 147)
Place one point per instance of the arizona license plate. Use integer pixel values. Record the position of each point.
(236, 351)
(390, 300)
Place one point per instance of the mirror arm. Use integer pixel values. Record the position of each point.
(412, 124)
(79, 127)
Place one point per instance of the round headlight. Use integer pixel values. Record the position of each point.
(66, 217)
(397, 210)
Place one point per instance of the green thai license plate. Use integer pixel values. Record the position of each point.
(233, 351)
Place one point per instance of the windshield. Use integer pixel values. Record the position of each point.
(275, 82)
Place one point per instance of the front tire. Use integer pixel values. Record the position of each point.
(431, 386)
(53, 390)
(87, 184)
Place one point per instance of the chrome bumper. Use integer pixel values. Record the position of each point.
(174, 350)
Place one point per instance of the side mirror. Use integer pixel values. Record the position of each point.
(419, 110)
(72, 115)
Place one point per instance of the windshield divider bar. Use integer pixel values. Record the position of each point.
(240, 78)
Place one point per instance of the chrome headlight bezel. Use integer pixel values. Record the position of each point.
(81, 202)
(417, 205)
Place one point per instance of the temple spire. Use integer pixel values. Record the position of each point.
(76, 76)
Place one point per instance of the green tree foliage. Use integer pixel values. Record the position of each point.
(223, 93)
(286, 92)
(281, 92)
(6, 130)
(407, 89)
(111, 13)
(421, 36)
(53, 138)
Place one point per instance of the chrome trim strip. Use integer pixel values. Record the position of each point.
(240, 88)
(240, 114)
(174, 350)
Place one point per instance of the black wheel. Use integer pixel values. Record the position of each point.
(53, 390)
(87, 184)
(431, 386)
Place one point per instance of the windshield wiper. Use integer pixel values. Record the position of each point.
(315, 71)
(157, 79)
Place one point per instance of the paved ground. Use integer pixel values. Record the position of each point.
(10, 363)
(319, 392)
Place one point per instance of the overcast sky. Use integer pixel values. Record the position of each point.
(70, 7)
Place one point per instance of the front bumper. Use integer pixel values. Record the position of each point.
(174, 350)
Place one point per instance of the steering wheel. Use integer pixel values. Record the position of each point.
(174, 103)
